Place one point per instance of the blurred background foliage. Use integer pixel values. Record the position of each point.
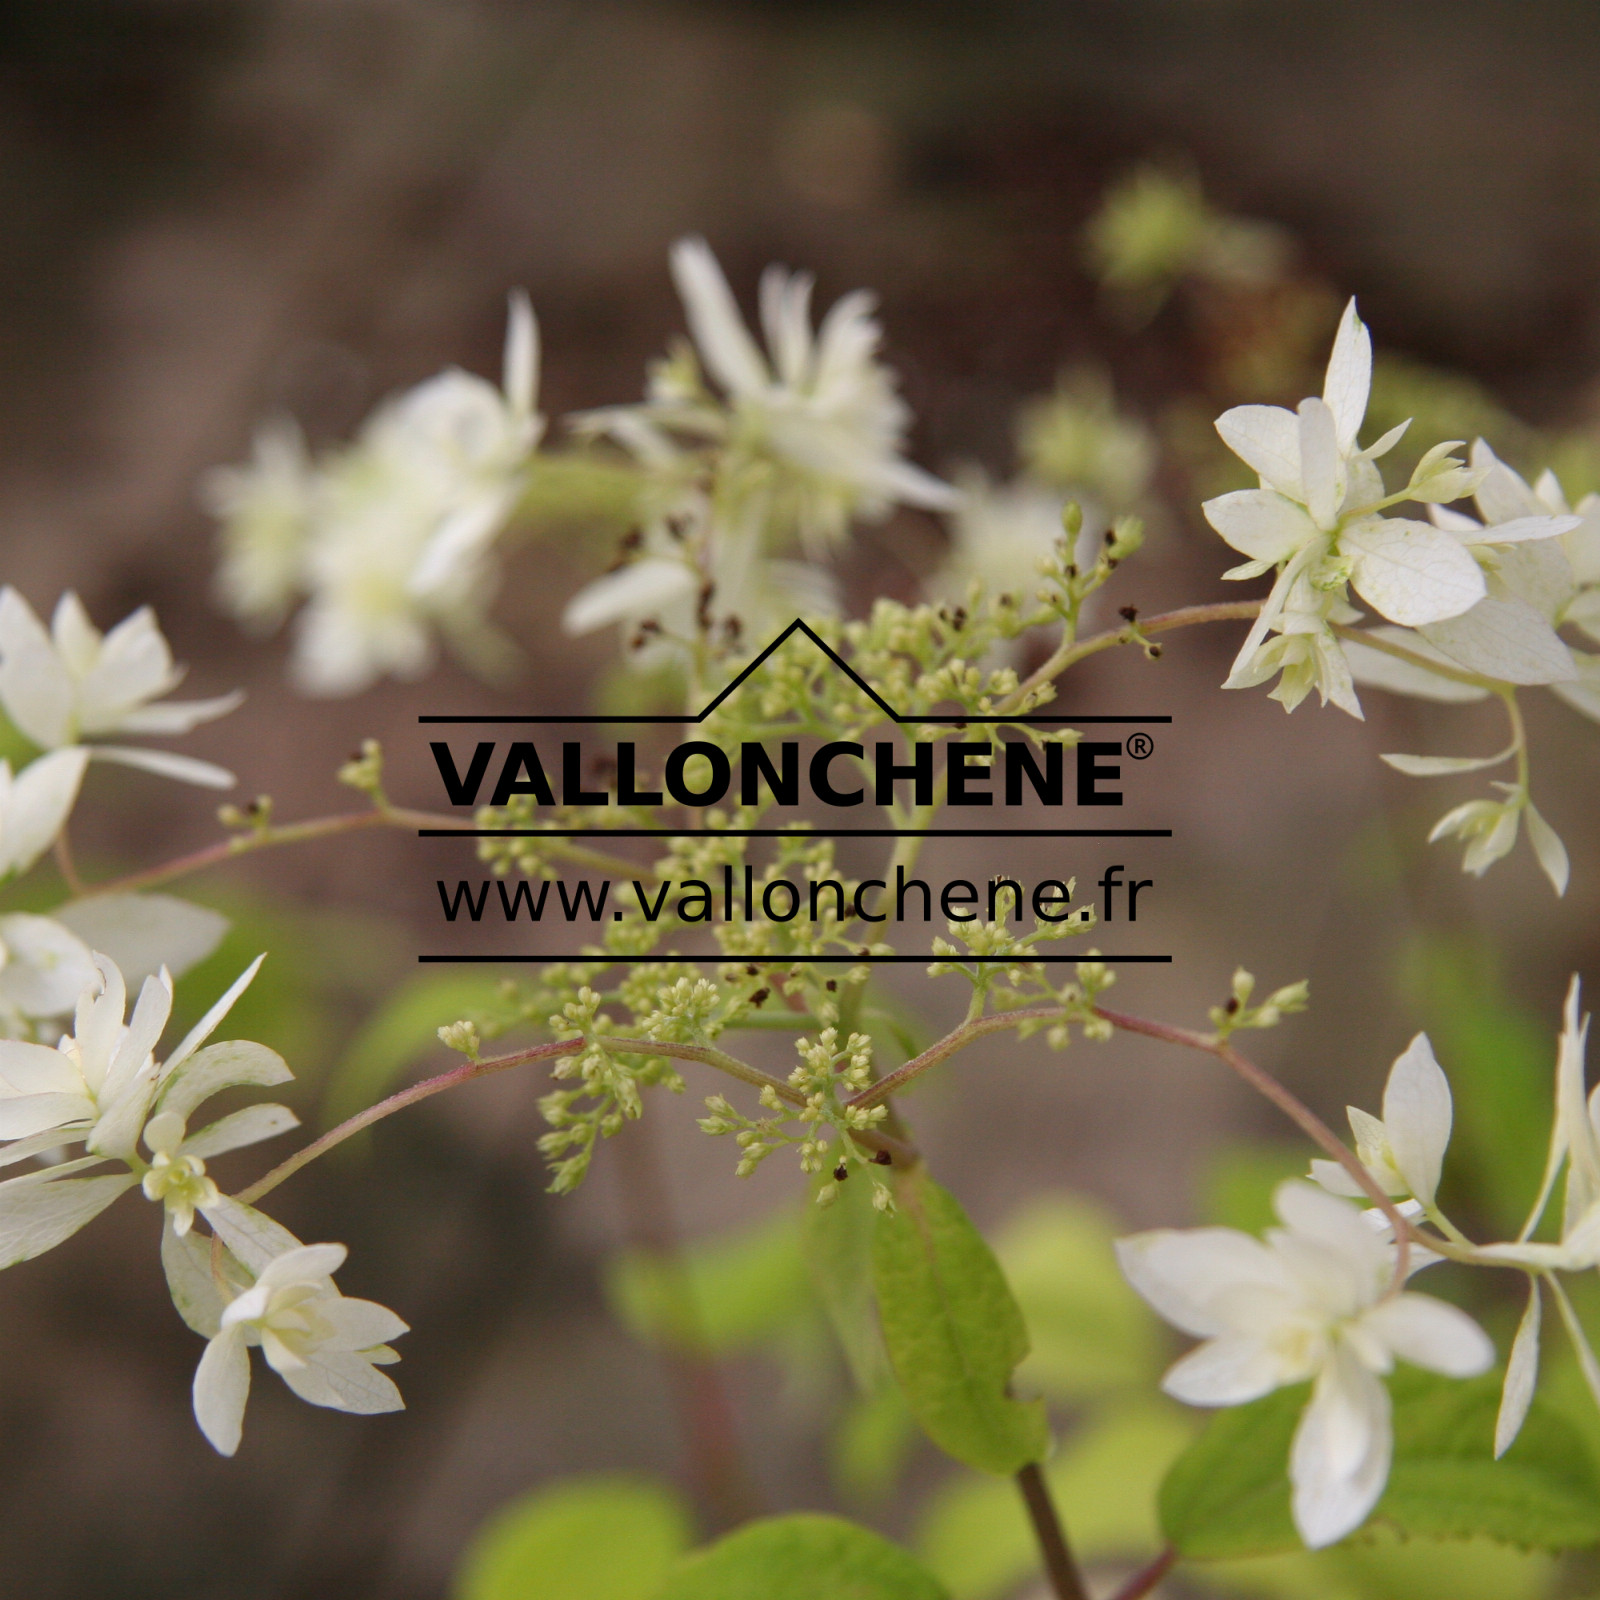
(1092, 227)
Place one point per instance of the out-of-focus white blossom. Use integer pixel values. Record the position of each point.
(391, 540)
(35, 803)
(1316, 520)
(1000, 533)
(280, 1297)
(74, 684)
(1312, 1302)
(810, 430)
(103, 1088)
(1078, 442)
(264, 511)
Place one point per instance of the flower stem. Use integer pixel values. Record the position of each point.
(1300, 1114)
(453, 1079)
(942, 1049)
(1147, 1577)
(1059, 1567)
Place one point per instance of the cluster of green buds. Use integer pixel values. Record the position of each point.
(1239, 1013)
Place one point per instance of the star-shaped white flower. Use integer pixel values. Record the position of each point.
(1317, 519)
(282, 1298)
(1310, 1303)
(102, 1088)
(73, 684)
(813, 429)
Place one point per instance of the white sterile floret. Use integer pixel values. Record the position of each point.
(815, 429)
(74, 684)
(1316, 519)
(102, 1088)
(1311, 1302)
(264, 512)
(325, 1347)
(1404, 1151)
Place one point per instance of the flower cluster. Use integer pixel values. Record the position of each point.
(103, 1091)
(389, 540)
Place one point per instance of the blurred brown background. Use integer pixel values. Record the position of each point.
(214, 209)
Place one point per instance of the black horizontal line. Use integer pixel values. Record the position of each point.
(954, 720)
(794, 833)
(790, 960)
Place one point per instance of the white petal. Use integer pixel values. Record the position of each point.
(231, 1064)
(344, 1382)
(1339, 1461)
(1260, 523)
(1503, 496)
(1410, 571)
(727, 349)
(1267, 440)
(27, 1114)
(36, 688)
(47, 966)
(1429, 1333)
(186, 1260)
(172, 717)
(1547, 846)
(630, 593)
(521, 372)
(1504, 638)
(306, 1263)
(786, 321)
(134, 665)
(1378, 670)
(1382, 445)
(144, 932)
(1226, 1372)
(1416, 1117)
(207, 1025)
(1522, 1374)
(221, 1388)
(144, 1031)
(1332, 1177)
(1440, 766)
(360, 1324)
(36, 1069)
(41, 797)
(251, 1235)
(1349, 378)
(1319, 462)
(1333, 1223)
(39, 1211)
(1182, 1271)
(186, 769)
(1520, 530)
(240, 1128)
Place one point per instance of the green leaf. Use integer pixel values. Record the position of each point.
(953, 1331)
(405, 1026)
(871, 1444)
(975, 1534)
(586, 1539)
(1090, 1332)
(837, 1244)
(727, 1293)
(1228, 1494)
(802, 1558)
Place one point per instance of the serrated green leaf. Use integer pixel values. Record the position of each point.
(837, 1244)
(720, 1295)
(399, 1031)
(1228, 1495)
(802, 1558)
(1090, 1332)
(976, 1536)
(953, 1330)
(586, 1539)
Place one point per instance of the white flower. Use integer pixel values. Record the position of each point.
(35, 803)
(1311, 1302)
(74, 684)
(325, 1347)
(102, 1088)
(1404, 1151)
(1316, 519)
(814, 432)
(999, 535)
(391, 539)
(264, 509)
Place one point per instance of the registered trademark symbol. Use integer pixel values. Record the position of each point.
(1140, 745)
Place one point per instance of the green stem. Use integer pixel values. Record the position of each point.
(1147, 1577)
(1060, 1569)
(942, 1049)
